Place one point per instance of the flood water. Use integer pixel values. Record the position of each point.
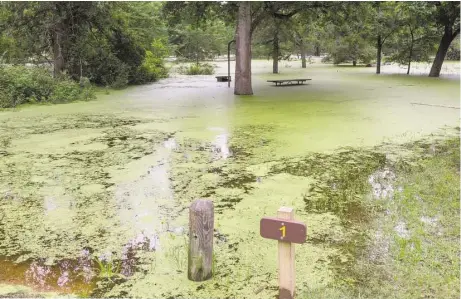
(94, 195)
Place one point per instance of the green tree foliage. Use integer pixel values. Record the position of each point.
(415, 39)
(104, 41)
(198, 30)
(310, 27)
(152, 66)
(385, 19)
(349, 35)
(201, 41)
(263, 39)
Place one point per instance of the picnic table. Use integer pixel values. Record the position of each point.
(289, 81)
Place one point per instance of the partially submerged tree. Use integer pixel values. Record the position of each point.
(415, 39)
(385, 20)
(275, 38)
(259, 11)
(243, 50)
(446, 16)
(302, 27)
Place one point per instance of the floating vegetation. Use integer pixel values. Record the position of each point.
(118, 174)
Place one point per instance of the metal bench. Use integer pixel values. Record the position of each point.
(289, 81)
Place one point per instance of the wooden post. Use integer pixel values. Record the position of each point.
(286, 260)
(287, 232)
(201, 225)
(228, 62)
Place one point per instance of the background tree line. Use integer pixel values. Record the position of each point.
(120, 43)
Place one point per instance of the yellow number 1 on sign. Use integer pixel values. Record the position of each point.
(283, 229)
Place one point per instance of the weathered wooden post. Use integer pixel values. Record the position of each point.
(286, 231)
(201, 226)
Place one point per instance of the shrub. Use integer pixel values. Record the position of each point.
(107, 70)
(197, 69)
(152, 67)
(327, 59)
(120, 79)
(66, 91)
(19, 85)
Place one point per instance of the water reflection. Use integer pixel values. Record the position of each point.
(67, 276)
(220, 145)
(74, 276)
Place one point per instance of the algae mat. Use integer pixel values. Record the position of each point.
(94, 195)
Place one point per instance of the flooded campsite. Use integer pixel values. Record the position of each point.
(95, 194)
(230, 149)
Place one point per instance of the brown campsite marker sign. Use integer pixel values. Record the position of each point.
(283, 230)
(287, 231)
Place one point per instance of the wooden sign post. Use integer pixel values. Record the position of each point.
(286, 231)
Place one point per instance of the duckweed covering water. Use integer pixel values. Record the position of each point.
(119, 183)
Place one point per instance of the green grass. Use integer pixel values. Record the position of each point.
(427, 261)
(107, 268)
(423, 259)
(178, 253)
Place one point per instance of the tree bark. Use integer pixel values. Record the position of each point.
(275, 54)
(302, 48)
(379, 46)
(58, 58)
(447, 38)
(57, 41)
(354, 62)
(243, 51)
(317, 50)
(411, 51)
(409, 65)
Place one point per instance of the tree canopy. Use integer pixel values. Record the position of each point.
(119, 43)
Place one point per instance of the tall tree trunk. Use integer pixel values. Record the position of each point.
(379, 46)
(410, 56)
(354, 62)
(302, 48)
(57, 41)
(441, 52)
(243, 51)
(409, 65)
(317, 50)
(275, 54)
(58, 58)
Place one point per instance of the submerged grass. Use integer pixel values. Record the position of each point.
(416, 236)
(107, 268)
